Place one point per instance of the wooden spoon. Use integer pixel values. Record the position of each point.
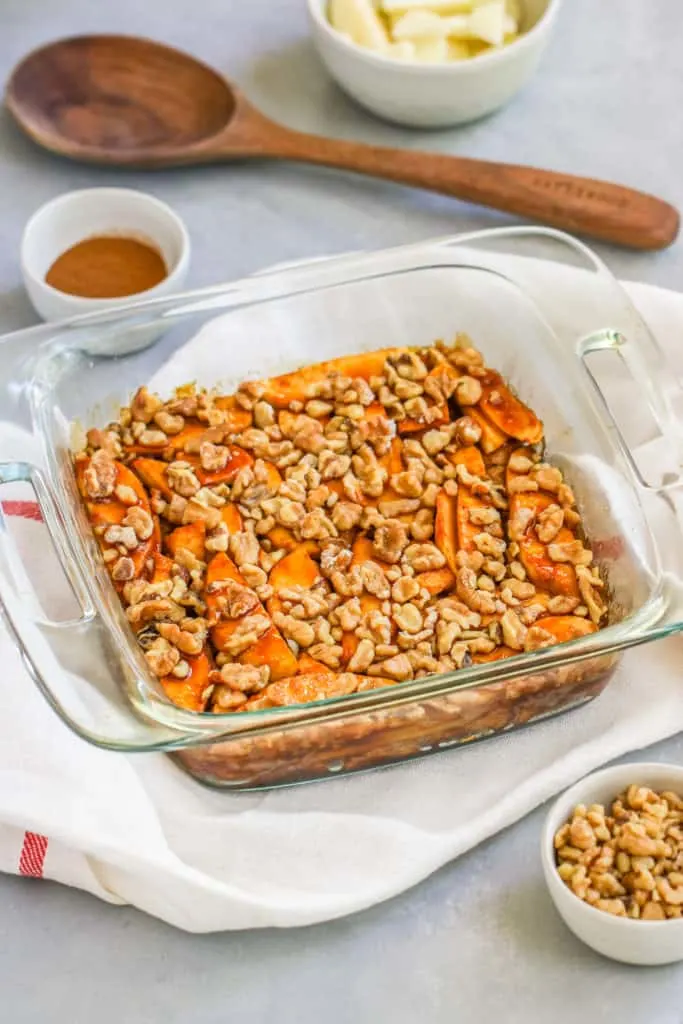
(134, 102)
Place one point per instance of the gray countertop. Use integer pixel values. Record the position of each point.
(479, 940)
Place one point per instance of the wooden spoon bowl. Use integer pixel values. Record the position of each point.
(127, 101)
(117, 98)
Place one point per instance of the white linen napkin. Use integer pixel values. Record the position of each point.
(137, 830)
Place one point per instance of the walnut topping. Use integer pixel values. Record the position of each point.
(349, 459)
(122, 536)
(141, 522)
(572, 551)
(144, 405)
(362, 657)
(422, 557)
(467, 391)
(123, 569)
(234, 600)
(182, 479)
(626, 859)
(100, 475)
(390, 539)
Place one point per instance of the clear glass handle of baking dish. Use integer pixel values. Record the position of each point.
(70, 658)
(636, 390)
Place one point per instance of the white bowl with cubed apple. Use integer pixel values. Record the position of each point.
(431, 63)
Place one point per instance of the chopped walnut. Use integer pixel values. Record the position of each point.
(346, 515)
(122, 536)
(363, 657)
(144, 405)
(100, 475)
(162, 657)
(408, 618)
(245, 678)
(398, 668)
(234, 600)
(390, 540)
(468, 391)
(123, 569)
(514, 632)
(213, 457)
(141, 522)
(422, 557)
(549, 523)
(572, 551)
(168, 423)
(422, 526)
(182, 479)
(244, 548)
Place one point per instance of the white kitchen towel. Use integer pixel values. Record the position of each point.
(136, 830)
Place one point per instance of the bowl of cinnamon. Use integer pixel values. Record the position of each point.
(100, 248)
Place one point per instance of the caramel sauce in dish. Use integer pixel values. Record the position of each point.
(107, 267)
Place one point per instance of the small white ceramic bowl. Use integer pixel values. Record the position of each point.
(632, 942)
(75, 216)
(434, 95)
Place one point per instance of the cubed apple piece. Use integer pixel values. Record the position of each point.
(359, 20)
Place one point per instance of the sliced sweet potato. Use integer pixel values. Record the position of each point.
(152, 472)
(395, 458)
(192, 430)
(230, 515)
(162, 568)
(237, 418)
(298, 386)
(492, 438)
(189, 692)
(316, 686)
(566, 627)
(237, 460)
(557, 578)
(436, 581)
(410, 426)
(554, 577)
(274, 478)
(361, 552)
(506, 411)
(281, 537)
(308, 665)
(296, 569)
(466, 502)
(111, 512)
(270, 648)
(191, 537)
(445, 535)
(497, 655)
(470, 458)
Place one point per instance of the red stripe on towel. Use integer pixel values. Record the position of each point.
(32, 857)
(34, 847)
(23, 510)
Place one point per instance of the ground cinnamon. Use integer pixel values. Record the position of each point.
(108, 267)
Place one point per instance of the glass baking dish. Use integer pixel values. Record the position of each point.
(569, 341)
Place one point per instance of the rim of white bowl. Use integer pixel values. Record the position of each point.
(550, 826)
(316, 10)
(102, 303)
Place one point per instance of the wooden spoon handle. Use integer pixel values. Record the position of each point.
(599, 209)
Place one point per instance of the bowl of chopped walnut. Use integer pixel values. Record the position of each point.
(612, 852)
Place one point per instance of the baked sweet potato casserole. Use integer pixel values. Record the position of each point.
(352, 525)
